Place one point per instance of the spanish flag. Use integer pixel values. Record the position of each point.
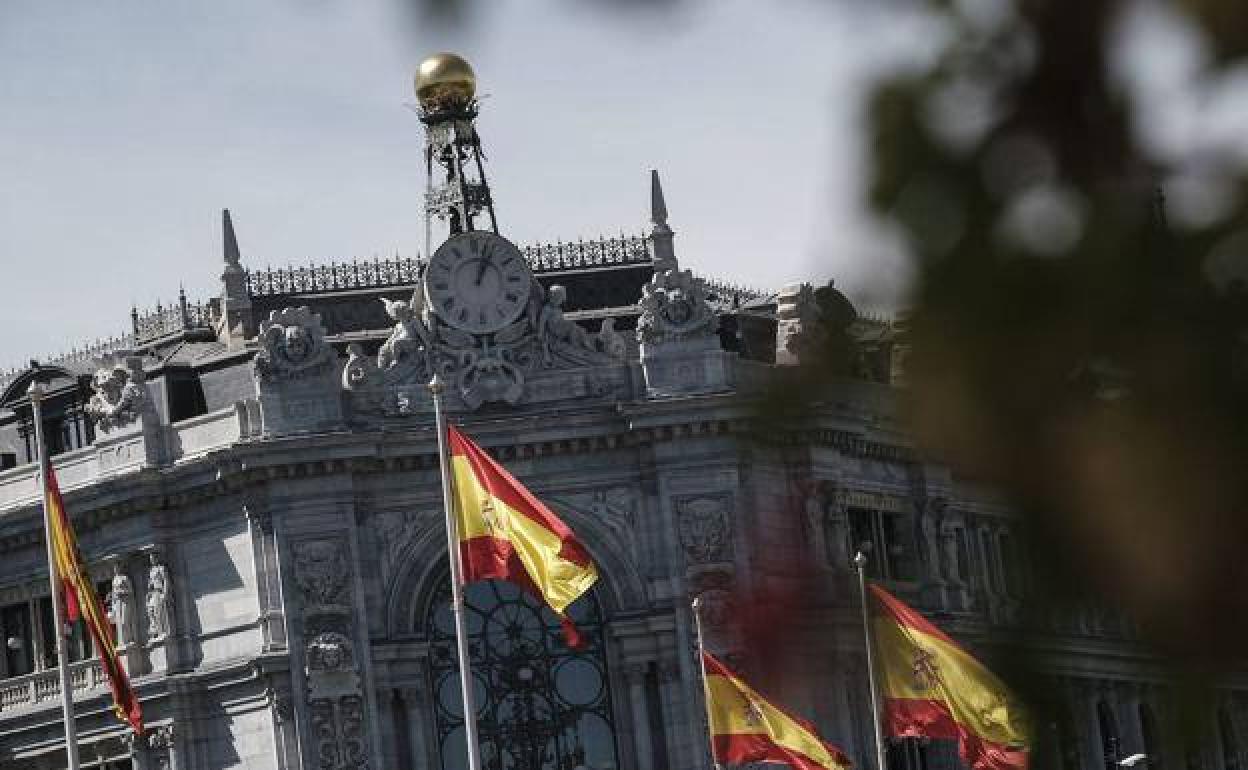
(746, 728)
(506, 533)
(80, 601)
(932, 688)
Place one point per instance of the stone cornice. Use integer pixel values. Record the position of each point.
(252, 462)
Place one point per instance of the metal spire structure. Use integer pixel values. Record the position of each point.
(456, 190)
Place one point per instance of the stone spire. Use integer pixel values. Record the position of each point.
(232, 258)
(236, 299)
(660, 232)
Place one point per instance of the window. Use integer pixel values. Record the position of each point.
(880, 530)
(186, 395)
(923, 754)
(8, 460)
(540, 705)
(19, 639)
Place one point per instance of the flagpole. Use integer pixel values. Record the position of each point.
(697, 627)
(36, 393)
(457, 589)
(860, 564)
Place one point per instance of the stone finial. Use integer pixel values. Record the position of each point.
(230, 242)
(660, 232)
(239, 321)
(658, 206)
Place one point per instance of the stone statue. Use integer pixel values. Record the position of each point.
(410, 336)
(119, 394)
(611, 341)
(553, 328)
(159, 601)
(120, 607)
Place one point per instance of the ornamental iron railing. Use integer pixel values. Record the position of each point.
(173, 318)
(405, 271)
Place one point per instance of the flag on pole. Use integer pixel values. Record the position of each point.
(508, 534)
(932, 688)
(745, 727)
(81, 601)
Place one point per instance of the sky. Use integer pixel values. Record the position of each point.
(126, 127)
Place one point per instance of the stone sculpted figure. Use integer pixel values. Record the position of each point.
(553, 328)
(410, 336)
(120, 607)
(119, 394)
(159, 601)
(611, 341)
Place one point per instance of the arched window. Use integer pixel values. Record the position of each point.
(540, 705)
(1109, 734)
(1230, 747)
(1152, 737)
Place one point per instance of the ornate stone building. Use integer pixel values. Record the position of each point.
(255, 481)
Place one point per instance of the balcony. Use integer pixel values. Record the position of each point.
(32, 690)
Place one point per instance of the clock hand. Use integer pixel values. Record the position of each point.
(486, 256)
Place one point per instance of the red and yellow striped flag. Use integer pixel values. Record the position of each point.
(933, 688)
(745, 727)
(80, 601)
(506, 533)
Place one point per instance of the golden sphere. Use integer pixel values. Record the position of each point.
(445, 80)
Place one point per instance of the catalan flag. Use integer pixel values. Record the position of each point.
(745, 727)
(508, 534)
(932, 688)
(81, 601)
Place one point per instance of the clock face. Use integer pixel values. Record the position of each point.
(477, 281)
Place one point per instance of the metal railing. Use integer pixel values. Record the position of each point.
(173, 318)
(402, 271)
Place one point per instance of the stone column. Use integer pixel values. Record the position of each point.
(417, 706)
(675, 718)
(635, 676)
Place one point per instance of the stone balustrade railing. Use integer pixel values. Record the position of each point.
(43, 686)
(111, 456)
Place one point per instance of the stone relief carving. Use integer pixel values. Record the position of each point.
(795, 313)
(338, 726)
(121, 606)
(120, 393)
(321, 573)
(334, 693)
(706, 529)
(159, 600)
(500, 366)
(673, 307)
(292, 346)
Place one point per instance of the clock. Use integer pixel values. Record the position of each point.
(477, 281)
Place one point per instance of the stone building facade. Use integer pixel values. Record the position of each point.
(255, 483)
